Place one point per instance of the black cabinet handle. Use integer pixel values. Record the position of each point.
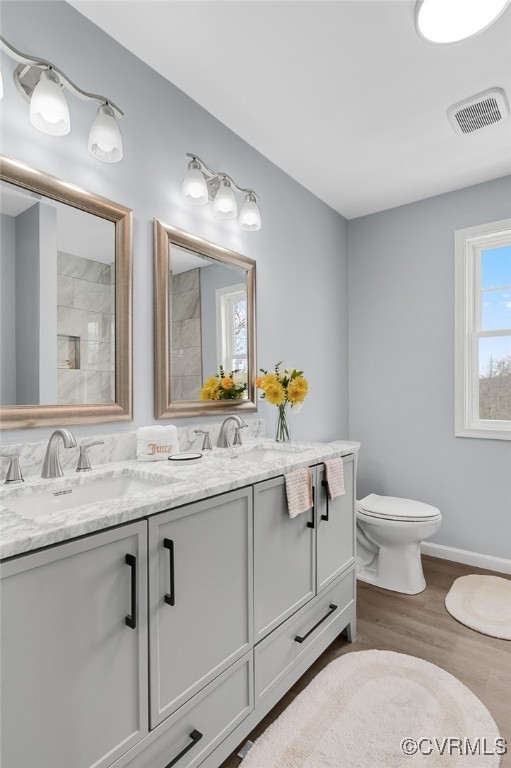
(313, 523)
(324, 483)
(170, 597)
(195, 737)
(301, 638)
(131, 620)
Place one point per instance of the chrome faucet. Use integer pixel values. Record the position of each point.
(84, 459)
(51, 465)
(223, 437)
(14, 474)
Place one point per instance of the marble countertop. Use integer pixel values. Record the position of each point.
(218, 471)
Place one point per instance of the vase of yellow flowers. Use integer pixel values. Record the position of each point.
(282, 433)
(283, 388)
(224, 386)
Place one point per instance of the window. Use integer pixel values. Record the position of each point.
(483, 331)
(231, 327)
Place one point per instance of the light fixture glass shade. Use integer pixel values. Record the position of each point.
(49, 112)
(250, 216)
(195, 189)
(105, 140)
(447, 21)
(224, 204)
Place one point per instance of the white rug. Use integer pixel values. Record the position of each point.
(360, 709)
(482, 603)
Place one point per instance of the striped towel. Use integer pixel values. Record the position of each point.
(334, 476)
(299, 491)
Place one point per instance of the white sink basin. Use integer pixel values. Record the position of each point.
(70, 496)
(261, 454)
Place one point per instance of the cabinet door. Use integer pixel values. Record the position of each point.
(284, 557)
(74, 674)
(335, 521)
(200, 596)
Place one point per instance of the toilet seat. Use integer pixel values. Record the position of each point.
(395, 508)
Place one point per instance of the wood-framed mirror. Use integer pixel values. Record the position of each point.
(66, 303)
(205, 317)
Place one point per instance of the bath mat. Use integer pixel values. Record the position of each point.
(482, 603)
(380, 709)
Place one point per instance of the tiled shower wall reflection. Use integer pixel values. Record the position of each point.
(186, 336)
(86, 330)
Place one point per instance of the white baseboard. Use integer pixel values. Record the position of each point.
(499, 564)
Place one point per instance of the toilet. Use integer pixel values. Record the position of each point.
(389, 534)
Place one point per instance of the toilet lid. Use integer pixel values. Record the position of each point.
(395, 508)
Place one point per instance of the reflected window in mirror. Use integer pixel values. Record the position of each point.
(231, 327)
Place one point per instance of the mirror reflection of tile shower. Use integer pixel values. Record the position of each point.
(57, 302)
(186, 335)
(85, 329)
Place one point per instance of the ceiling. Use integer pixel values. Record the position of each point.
(341, 94)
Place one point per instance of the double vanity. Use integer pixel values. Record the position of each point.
(152, 614)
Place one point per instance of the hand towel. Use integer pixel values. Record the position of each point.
(299, 491)
(156, 443)
(334, 476)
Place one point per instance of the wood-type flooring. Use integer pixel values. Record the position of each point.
(421, 626)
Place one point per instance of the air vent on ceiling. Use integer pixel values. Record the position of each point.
(479, 111)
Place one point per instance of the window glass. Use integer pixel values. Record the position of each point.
(483, 331)
(240, 326)
(495, 378)
(496, 309)
(496, 267)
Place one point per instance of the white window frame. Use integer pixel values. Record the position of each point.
(470, 243)
(225, 298)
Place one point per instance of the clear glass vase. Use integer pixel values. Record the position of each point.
(282, 434)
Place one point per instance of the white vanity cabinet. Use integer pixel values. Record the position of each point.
(335, 521)
(296, 558)
(200, 596)
(284, 557)
(163, 642)
(74, 652)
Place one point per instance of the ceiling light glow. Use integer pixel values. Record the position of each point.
(448, 21)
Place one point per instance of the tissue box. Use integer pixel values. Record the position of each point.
(156, 443)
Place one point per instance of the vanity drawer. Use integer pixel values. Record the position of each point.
(279, 652)
(199, 725)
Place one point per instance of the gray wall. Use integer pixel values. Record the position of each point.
(301, 251)
(27, 306)
(47, 303)
(402, 368)
(35, 302)
(7, 310)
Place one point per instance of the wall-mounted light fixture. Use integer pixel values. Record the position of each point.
(42, 84)
(448, 21)
(202, 184)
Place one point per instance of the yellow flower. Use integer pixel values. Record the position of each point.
(275, 393)
(297, 390)
(227, 383)
(212, 392)
(260, 382)
(211, 383)
(270, 379)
